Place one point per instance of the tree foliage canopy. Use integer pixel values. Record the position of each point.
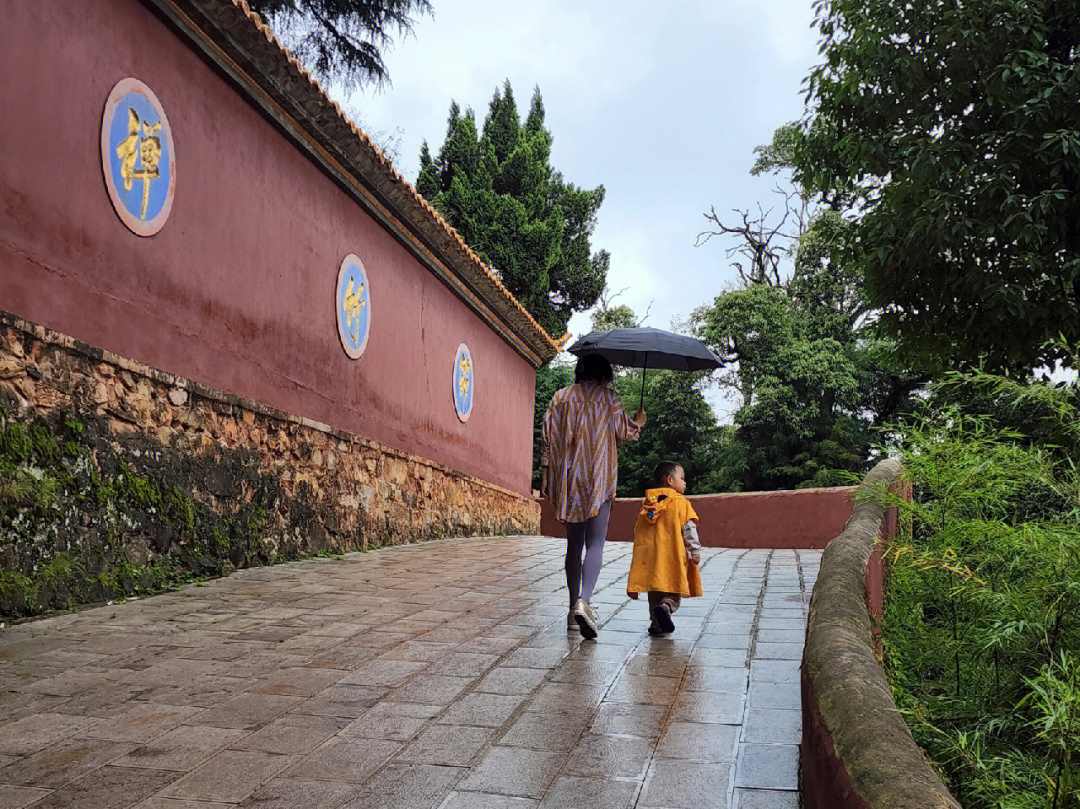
(951, 130)
(498, 189)
(342, 39)
(802, 355)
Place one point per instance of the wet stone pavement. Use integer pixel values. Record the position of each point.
(430, 675)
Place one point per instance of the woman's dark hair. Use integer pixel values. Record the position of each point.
(663, 469)
(593, 368)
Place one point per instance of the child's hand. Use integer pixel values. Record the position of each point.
(639, 418)
(695, 558)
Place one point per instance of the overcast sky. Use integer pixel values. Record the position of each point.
(663, 111)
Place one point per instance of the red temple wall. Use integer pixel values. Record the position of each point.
(236, 291)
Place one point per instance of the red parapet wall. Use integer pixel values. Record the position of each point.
(801, 518)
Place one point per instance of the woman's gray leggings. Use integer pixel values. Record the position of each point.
(581, 577)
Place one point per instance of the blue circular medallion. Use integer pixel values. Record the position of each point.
(352, 302)
(137, 157)
(464, 381)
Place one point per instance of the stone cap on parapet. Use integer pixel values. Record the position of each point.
(241, 46)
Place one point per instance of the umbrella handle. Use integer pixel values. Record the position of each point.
(644, 369)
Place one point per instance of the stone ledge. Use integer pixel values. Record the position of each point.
(857, 751)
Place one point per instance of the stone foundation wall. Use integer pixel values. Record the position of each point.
(107, 465)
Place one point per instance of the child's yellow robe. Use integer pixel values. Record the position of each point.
(660, 562)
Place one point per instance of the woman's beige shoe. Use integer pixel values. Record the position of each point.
(586, 619)
(571, 623)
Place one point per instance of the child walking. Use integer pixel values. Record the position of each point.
(667, 550)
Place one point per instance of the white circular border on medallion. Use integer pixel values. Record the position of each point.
(462, 417)
(352, 258)
(133, 223)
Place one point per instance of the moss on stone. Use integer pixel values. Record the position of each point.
(86, 516)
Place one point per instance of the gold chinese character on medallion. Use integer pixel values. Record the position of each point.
(353, 304)
(463, 381)
(146, 150)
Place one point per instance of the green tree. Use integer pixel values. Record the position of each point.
(681, 428)
(814, 378)
(550, 379)
(342, 39)
(951, 131)
(498, 189)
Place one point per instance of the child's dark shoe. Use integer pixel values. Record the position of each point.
(662, 620)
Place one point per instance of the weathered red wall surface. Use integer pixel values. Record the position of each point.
(804, 518)
(236, 291)
(825, 783)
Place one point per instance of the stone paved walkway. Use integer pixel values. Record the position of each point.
(432, 675)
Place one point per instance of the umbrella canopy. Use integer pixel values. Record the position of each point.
(648, 348)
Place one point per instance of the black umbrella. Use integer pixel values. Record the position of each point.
(647, 348)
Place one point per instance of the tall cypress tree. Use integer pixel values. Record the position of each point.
(498, 189)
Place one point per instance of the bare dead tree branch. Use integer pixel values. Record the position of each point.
(762, 244)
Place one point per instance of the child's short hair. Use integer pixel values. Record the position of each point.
(663, 469)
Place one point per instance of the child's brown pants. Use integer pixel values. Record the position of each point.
(670, 601)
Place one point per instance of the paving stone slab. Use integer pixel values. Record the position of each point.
(686, 785)
(109, 788)
(464, 664)
(299, 681)
(770, 726)
(288, 793)
(13, 797)
(591, 792)
(61, 763)
(249, 711)
(431, 689)
(712, 708)
(784, 696)
(228, 777)
(182, 749)
(486, 800)
(514, 771)
(765, 799)
(778, 651)
(291, 734)
(643, 690)
(37, 731)
(450, 745)
(392, 720)
(482, 710)
(406, 786)
(694, 741)
(511, 681)
(597, 756)
(774, 671)
(571, 698)
(716, 679)
(768, 766)
(630, 720)
(351, 759)
(350, 701)
(545, 731)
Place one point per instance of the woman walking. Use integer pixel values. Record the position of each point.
(582, 427)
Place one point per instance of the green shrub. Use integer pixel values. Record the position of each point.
(982, 622)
